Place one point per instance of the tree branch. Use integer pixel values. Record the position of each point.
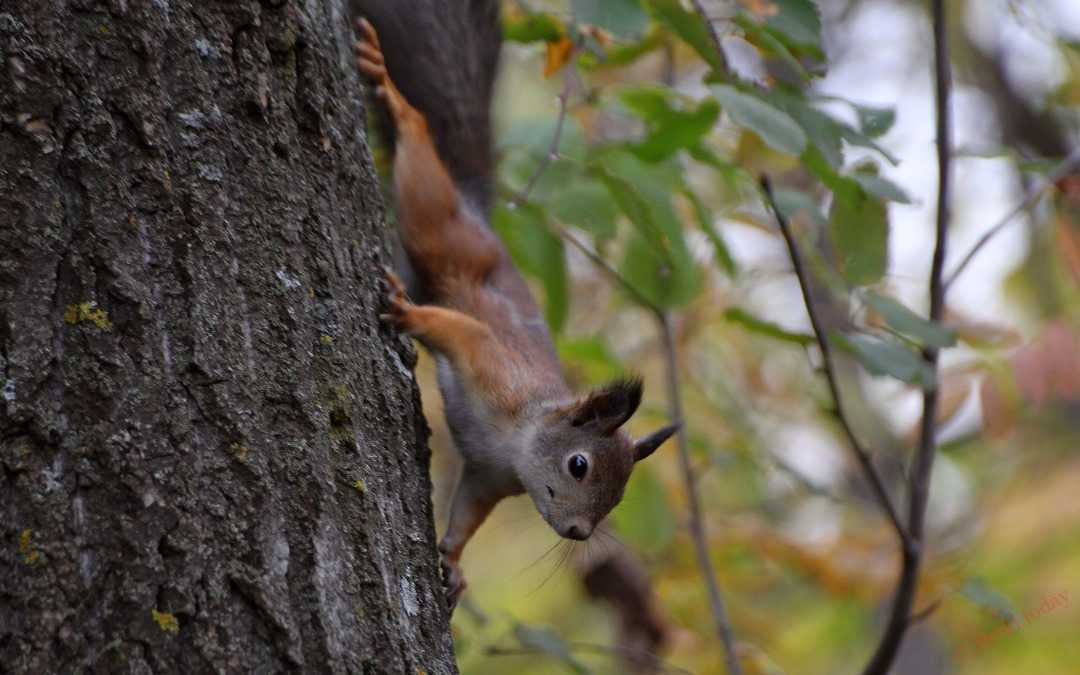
(607, 269)
(924, 613)
(1064, 168)
(700, 9)
(919, 477)
(829, 367)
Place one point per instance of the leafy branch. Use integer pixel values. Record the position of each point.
(911, 537)
(862, 456)
(553, 149)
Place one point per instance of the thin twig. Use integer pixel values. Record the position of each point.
(697, 531)
(713, 35)
(553, 150)
(924, 613)
(1064, 168)
(919, 477)
(697, 528)
(607, 269)
(829, 366)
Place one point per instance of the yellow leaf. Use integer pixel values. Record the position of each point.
(558, 54)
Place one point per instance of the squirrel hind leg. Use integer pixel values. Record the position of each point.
(372, 64)
(369, 58)
(367, 32)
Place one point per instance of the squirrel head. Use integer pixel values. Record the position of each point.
(580, 459)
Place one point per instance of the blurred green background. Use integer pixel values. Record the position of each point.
(656, 171)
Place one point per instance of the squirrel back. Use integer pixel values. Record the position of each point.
(444, 57)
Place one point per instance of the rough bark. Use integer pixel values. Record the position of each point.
(212, 454)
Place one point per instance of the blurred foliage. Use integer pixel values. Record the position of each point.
(657, 170)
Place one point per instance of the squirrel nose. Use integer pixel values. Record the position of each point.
(576, 532)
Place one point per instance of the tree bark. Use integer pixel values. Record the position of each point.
(212, 454)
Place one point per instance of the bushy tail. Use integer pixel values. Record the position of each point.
(443, 56)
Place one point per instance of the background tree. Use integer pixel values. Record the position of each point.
(212, 454)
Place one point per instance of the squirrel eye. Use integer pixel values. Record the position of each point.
(578, 466)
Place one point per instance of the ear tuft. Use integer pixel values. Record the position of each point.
(643, 447)
(606, 409)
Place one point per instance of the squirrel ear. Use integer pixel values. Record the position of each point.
(606, 409)
(643, 447)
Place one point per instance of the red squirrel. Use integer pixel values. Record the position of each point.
(514, 420)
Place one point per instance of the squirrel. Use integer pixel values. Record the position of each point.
(511, 414)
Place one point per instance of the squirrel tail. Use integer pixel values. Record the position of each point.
(443, 56)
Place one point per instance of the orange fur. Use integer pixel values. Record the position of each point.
(437, 232)
(470, 345)
(486, 321)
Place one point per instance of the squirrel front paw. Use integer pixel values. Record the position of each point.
(399, 309)
(453, 582)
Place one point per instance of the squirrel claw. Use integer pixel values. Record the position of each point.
(393, 282)
(369, 57)
(398, 311)
(367, 31)
(453, 583)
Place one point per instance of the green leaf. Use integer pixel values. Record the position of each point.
(532, 28)
(859, 228)
(888, 357)
(704, 219)
(621, 54)
(689, 27)
(774, 126)
(767, 328)
(881, 187)
(671, 123)
(903, 320)
(624, 18)
(977, 591)
(702, 153)
(769, 44)
(587, 204)
(861, 140)
(799, 20)
(592, 357)
(547, 641)
(644, 518)
(793, 202)
(823, 131)
(539, 254)
(637, 210)
(657, 261)
(875, 122)
(524, 146)
(533, 136)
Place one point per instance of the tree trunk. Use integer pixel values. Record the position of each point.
(212, 453)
